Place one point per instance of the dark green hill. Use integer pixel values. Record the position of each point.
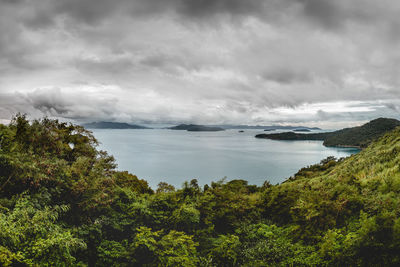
(196, 128)
(360, 136)
(112, 125)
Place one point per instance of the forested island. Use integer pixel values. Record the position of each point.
(63, 203)
(301, 130)
(196, 128)
(359, 137)
(112, 125)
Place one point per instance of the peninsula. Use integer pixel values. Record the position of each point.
(358, 137)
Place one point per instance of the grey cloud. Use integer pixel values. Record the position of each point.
(205, 8)
(50, 102)
(288, 76)
(88, 11)
(56, 103)
(12, 1)
(282, 53)
(325, 12)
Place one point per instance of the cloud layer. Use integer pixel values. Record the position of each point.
(207, 61)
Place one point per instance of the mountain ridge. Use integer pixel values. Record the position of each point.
(196, 128)
(112, 125)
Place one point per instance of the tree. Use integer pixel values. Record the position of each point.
(31, 235)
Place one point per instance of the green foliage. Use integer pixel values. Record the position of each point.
(113, 253)
(225, 251)
(31, 235)
(270, 245)
(156, 249)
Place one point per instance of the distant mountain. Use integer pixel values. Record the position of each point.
(267, 128)
(196, 128)
(112, 125)
(360, 136)
(302, 130)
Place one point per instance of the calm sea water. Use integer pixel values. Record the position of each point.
(171, 156)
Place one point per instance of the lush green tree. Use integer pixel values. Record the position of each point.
(32, 235)
(154, 248)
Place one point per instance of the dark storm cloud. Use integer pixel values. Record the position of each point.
(50, 102)
(56, 103)
(44, 12)
(326, 13)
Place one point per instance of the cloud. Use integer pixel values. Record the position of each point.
(199, 60)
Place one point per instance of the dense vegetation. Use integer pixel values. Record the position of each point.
(360, 136)
(63, 203)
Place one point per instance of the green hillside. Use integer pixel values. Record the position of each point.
(63, 203)
(360, 136)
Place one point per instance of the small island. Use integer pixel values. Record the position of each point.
(112, 125)
(196, 128)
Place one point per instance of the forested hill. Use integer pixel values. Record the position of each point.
(112, 125)
(63, 203)
(196, 128)
(360, 136)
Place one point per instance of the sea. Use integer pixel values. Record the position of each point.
(176, 156)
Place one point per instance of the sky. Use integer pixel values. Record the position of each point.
(302, 62)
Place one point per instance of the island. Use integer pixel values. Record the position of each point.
(302, 130)
(112, 125)
(196, 128)
(357, 137)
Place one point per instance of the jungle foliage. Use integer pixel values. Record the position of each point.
(63, 203)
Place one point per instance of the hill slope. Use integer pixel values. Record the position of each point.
(351, 207)
(359, 136)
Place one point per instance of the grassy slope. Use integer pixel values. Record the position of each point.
(322, 199)
(350, 208)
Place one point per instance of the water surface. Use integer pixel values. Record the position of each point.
(176, 156)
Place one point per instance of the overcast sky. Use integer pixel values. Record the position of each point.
(313, 62)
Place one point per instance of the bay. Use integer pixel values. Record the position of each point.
(162, 155)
